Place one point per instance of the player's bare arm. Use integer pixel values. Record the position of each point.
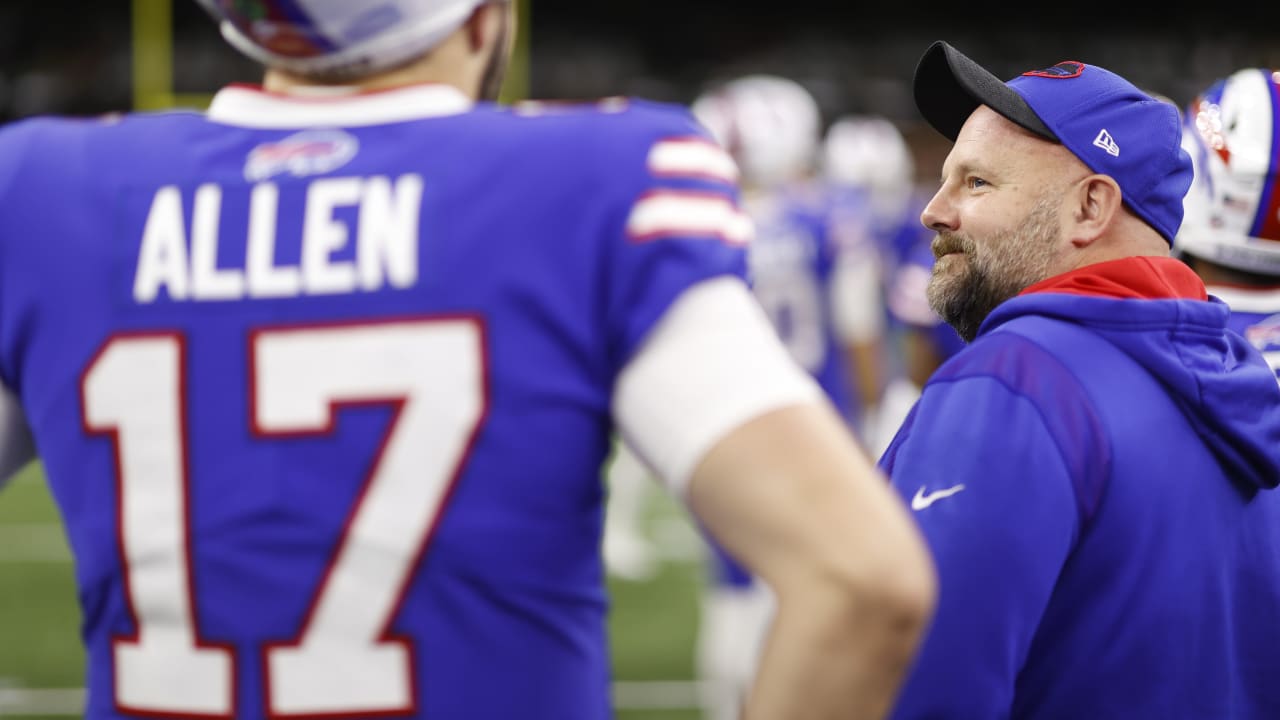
(773, 473)
(789, 494)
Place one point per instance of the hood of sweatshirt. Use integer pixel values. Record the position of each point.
(1156, 310)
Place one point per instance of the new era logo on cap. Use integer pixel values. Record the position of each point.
(1105, 141)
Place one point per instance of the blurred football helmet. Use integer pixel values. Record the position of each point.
(1232, 212)
(867, 151)
(770, 125)
(337, 37)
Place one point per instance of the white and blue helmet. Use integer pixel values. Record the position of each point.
(1232, 212)
(337, 37)
(771, 125)
(867, 151)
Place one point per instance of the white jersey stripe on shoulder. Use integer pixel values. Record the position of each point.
(692, 157)
(674, 213)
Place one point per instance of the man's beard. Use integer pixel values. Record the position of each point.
(998, 269)
(496, 71)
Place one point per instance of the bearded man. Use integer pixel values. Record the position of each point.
(1094, 472)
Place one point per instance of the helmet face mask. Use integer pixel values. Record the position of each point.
(770, 125)
(1231, 209)
(338, 39)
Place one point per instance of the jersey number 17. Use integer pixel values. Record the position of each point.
(343, 660)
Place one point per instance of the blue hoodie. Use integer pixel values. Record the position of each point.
(1093, 475)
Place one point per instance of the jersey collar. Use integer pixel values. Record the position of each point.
(251, 106)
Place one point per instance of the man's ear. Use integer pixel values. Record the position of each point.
(1095, 202)
(483, 25)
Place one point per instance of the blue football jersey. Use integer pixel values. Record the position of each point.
(322, 388)
(908, 301)
(792, 264)
(792, 261)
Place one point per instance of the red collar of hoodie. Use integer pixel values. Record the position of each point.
(1134, 278)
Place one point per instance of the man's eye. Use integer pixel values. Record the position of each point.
(976, 182)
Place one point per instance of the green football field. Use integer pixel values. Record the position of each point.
(653, 623)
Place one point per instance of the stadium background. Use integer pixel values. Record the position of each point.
(77, 57)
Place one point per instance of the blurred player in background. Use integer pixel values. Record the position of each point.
(1231, 233)
(821, 298)
(869, 165)
(852, 184)
(629, 554)
(323, 381)
(924, 342)
(799, 273)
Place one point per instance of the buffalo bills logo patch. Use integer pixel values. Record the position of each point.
(1061, 71)
(311, 152)
(1265, 335)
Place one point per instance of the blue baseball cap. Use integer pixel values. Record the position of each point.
(1103, 119)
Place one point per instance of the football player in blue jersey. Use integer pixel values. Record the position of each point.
(323, 380)
(922, 339)
(801, 267)
(1231, 233)
(628, 552)
(857, 171)
(810, 275)
(867, 159)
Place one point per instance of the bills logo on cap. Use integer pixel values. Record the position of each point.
(1061, 71)
(310, 152)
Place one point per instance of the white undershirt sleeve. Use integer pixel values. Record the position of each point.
(712, 363)
(16, 446)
